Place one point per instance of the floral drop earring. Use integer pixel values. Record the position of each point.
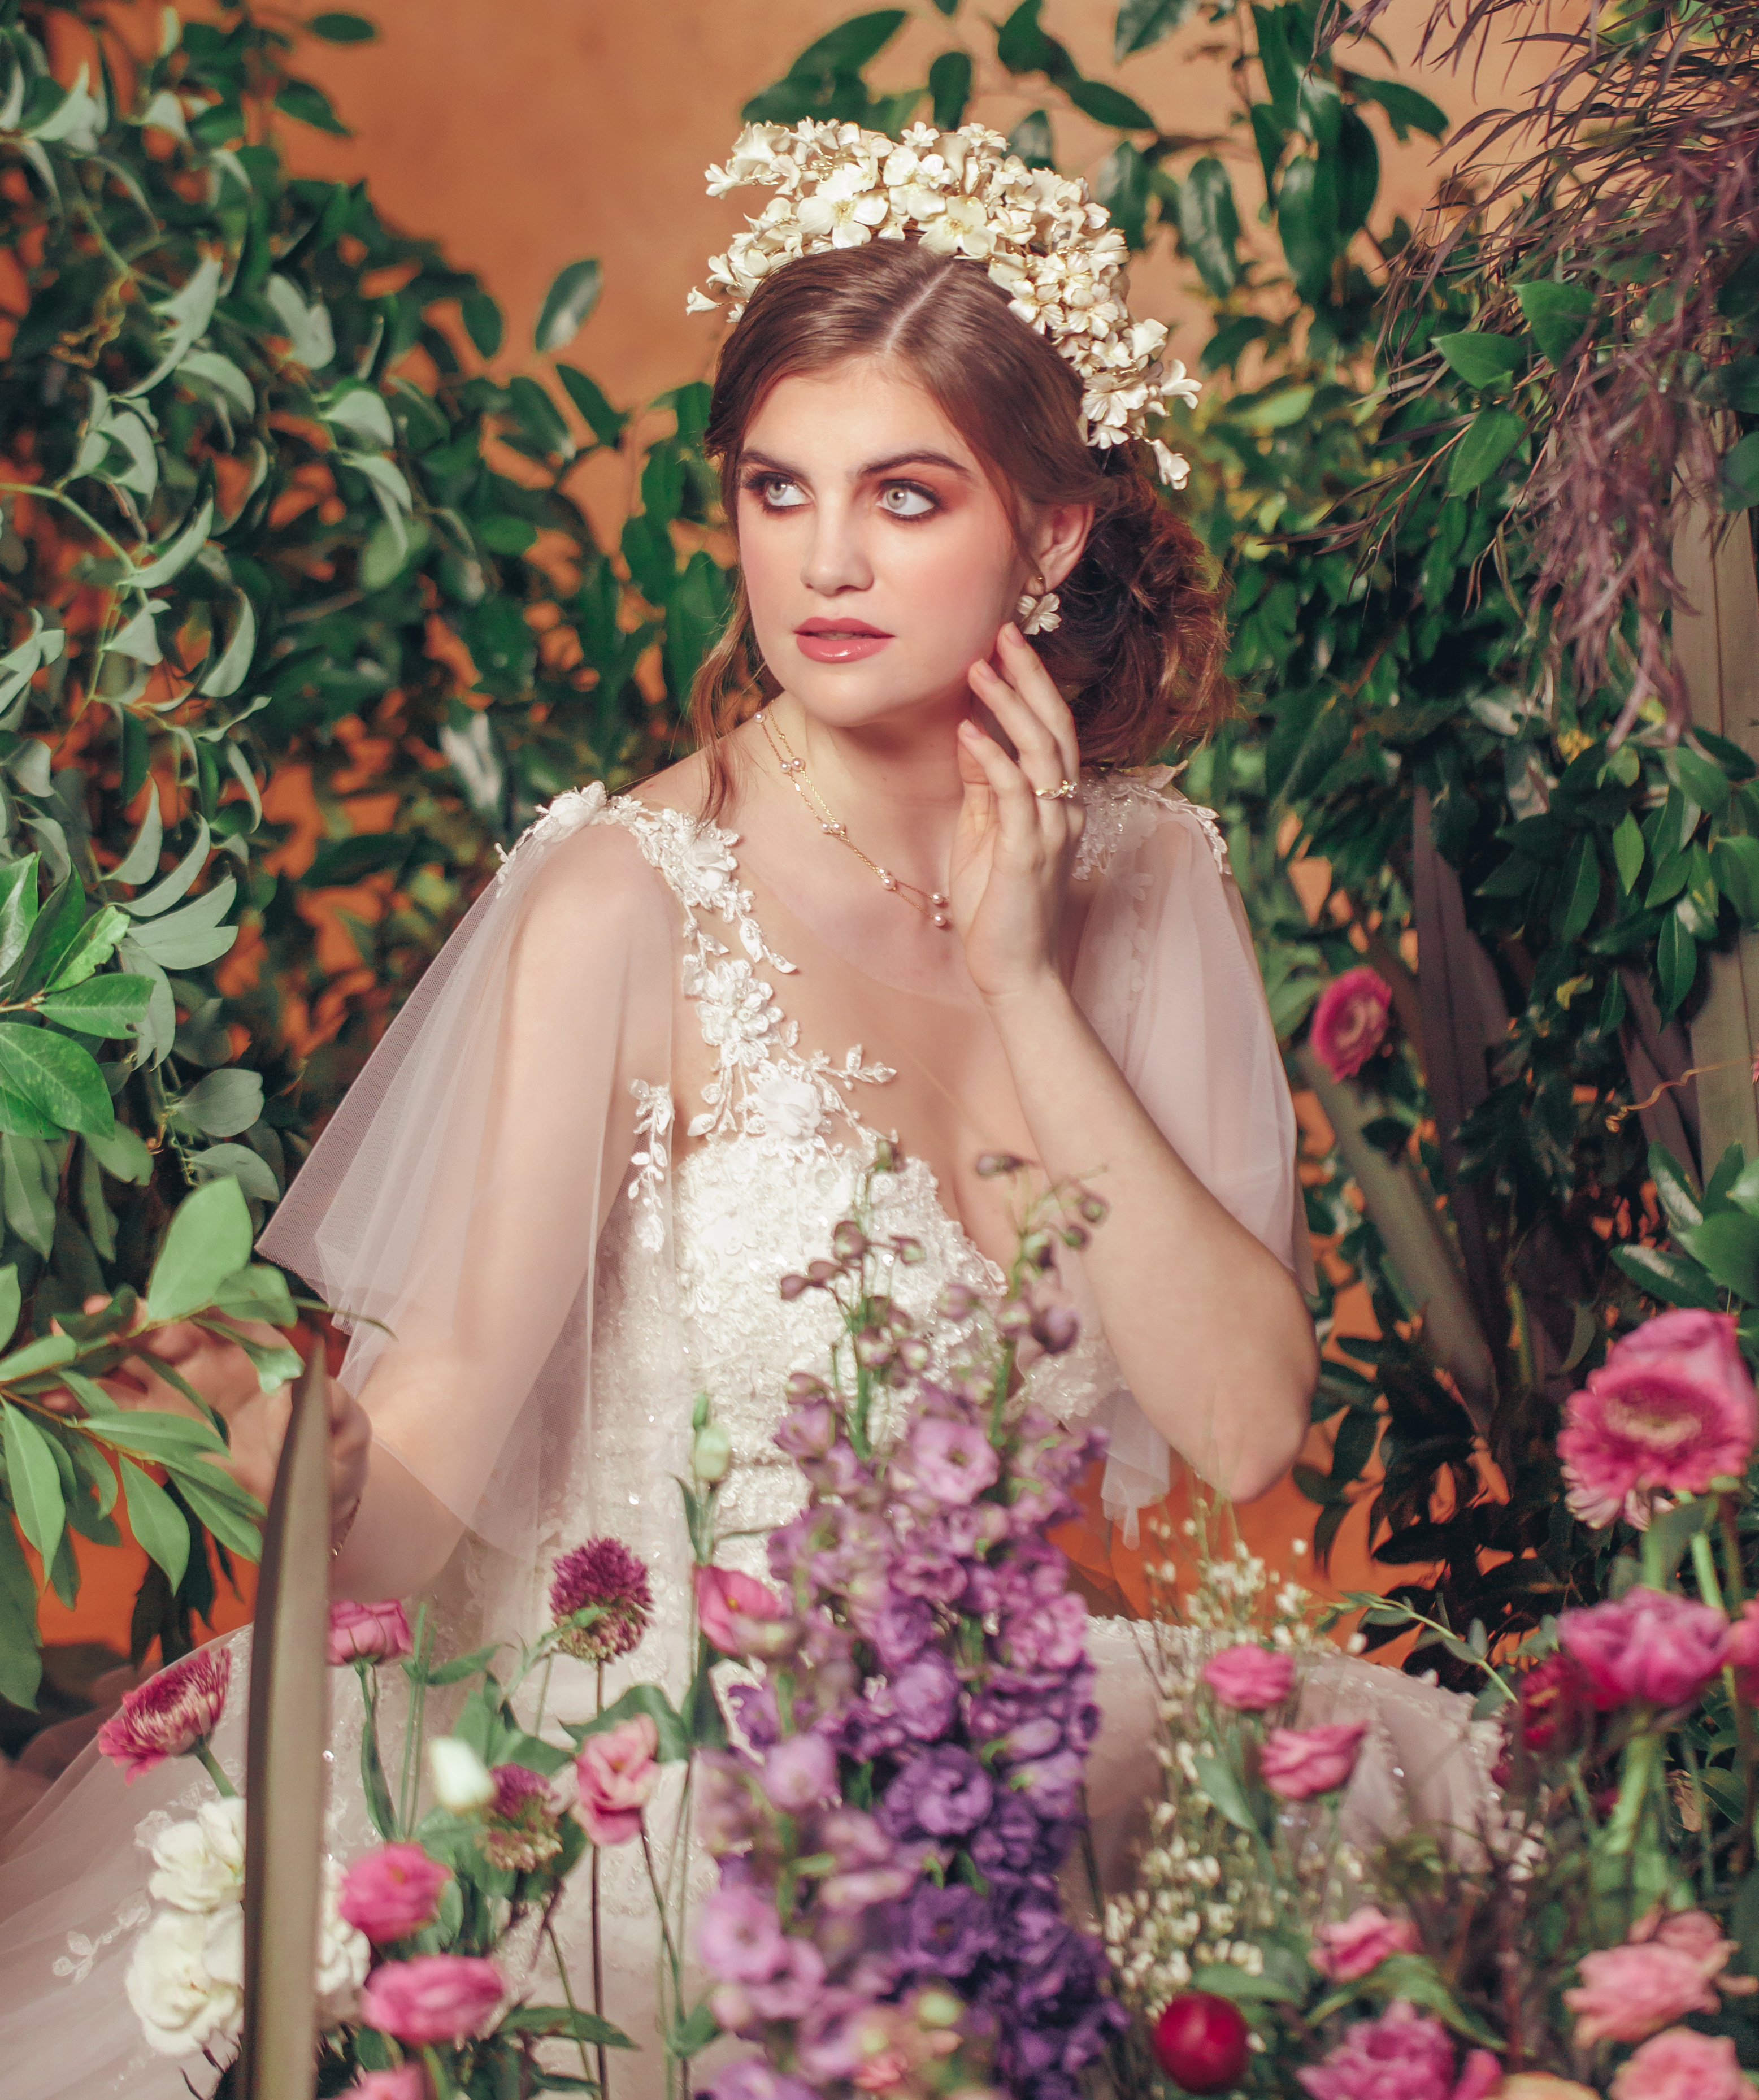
(1037, 614)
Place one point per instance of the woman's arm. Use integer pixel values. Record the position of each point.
(1208, 1327)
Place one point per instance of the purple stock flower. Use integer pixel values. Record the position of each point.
(942, 1794)
(929, 1572)
(1051, 1636)
(953, 1461)
(800, 1773)
(738, 1936)
(925, 1696)
(753, 2079)
(754, 1708)
(795, 1987)
(1052, 1785)
(901, 1631)
(807, 1430)
(946, 1931)
(1010, 1842)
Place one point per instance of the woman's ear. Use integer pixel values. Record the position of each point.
(1059, 539)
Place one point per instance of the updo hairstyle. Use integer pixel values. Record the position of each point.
(1141, 643)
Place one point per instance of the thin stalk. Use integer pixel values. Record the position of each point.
(410, 1776)
(598, 1951)
(1744, 1719)
(567, 1993)
(216, 1771)
(660, 1905)
(1643, 1760)
(46, 494)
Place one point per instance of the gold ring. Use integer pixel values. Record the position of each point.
(1065, 790)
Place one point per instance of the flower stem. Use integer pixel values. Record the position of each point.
(1642, 1759)
(598, 1950)
(567, 1993)
(1744, 1719)
(216, 1771)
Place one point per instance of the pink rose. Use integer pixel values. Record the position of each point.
(173, 1713)
(1672, 1408)
(1649, 1647)
(407, 2081)
(1691, 1932)
(392, 1892)
(1300, 1762)
(368, 1633)
(1361, 1942)
(724, 1598)
(615, 1772)
(1349, 1020)
(1249, 1678)
(1628, 1992)
(1683, 2065)
(432, 1998)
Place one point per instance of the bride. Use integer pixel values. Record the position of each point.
(919, 881)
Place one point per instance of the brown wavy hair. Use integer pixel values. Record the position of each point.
(1142, 640)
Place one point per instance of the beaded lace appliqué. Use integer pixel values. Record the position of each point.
(1117, 801)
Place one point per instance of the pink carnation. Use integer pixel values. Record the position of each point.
(406, 2081)
(432, 1998)
(392, 1892)
(724, 1600)
(173, 1713)
(368, 1633)
(1349, 1020)
(1249, 1678)
(1672, 1408)
(1300, 1762)
(615, 1773)
(1360, 1943)
(1648, 1646)
(1683, 2065)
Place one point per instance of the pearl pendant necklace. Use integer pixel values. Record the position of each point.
(930, 903)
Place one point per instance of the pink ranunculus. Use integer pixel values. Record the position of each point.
(1672, 1408)
(173, 1713)
(1683, 2065)
(723, 1598)
(1628, 1992)
(1360, 1942)
(392, 1892)
(615, 1773)
(406, 2081)
(368, 1633)
(1648, 1647)
(1249, 1678)
(1349, 1020)
(432, 1997)
(1300, 1762)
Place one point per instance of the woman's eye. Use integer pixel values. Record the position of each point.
(777, 493)
(902, 500)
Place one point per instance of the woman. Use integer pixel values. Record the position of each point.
(911, 884)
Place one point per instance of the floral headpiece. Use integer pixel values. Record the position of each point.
(1041, 235)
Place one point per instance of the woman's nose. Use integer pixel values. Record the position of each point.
(835, 557)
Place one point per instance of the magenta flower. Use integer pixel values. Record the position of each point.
(1628, 1993)
(729, 1605)
(405, 2081)
(1683, 2065)
(800, 1773)
(1300, 1762)
(603, 1572)
(1360, 1942)
(1649, 1647)
(952, 1461)
(1672, 1408)
(615, 1772)
(392, 1892)
(1349, 1020)
(738, 1936)
(1403, 2055)
(432, 1998)
(1249, 1678)
(368, 1633)
(173, 1713)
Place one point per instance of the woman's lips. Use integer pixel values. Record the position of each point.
(839, 645)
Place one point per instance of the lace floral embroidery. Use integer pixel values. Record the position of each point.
(556, 820)
(82, 1950)
(651, 1160)
(1117, 801)
(764, 1086)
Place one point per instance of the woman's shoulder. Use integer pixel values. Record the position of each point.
(1130, 810)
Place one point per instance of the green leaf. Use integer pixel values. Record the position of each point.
(949, 89)
(604, 421)
(1480, 359)
(1557, 314)
(1109, 105)
(1219, 1783)
(165, 893)
(155, 1521)
(28, 1193)
(1281, 81)
(1122, 185)
(1676, 963)
(240, 1533)
(207, 1241)
(1701, 777)
(1406, 109)
(1306, 222)
(222, 1104)
(336, 27)
(1678, 1198)
(363, 413)
(46, 1353)
(179, 554)
(640, 1699)
(1022, 46)
(1143, 24)
(57, 1082)
(188, 310)
(1209, 225)
(123, 1152)
(1628, 851)
(305, 101)
(567, 304)
(482, 323)
(851, 46)
(18, 908)
(1667, 1277)
(1740, 474)
(10, 1302)
(21, 1658)
(1226, 1981)
(89, 948)
(1578, 890)
(1030, 140)
(35, 1480)
(1727, 1246)
(249, 1169)
(1490, 437)
(566, 2021)
(110, 1005)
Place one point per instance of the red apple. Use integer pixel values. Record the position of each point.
(1199, 2042)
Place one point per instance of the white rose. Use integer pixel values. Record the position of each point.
(344, 1955)
(790, 1107)
(180, 2000)
(201, 1863)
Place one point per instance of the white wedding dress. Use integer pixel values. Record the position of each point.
(548, 1371)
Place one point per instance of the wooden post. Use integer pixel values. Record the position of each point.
(285, 1785)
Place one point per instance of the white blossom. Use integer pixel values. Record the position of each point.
(462, 1783)
(201, 1862)
(179, 1979)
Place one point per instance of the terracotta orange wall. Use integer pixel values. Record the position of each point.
(523, 135)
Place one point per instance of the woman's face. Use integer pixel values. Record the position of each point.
(877, 559)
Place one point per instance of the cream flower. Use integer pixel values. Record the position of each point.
(182, 2003)
(962, 229)
(846, 207)
(201, 1863)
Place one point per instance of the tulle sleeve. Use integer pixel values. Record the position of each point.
(452, 1208)
(1167, 974)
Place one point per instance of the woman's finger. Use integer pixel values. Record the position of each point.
(1040, 758)
(1016, 803)
(1037, 688)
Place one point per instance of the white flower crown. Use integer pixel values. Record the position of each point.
(1042, 237)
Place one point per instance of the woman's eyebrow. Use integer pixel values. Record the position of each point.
(873, 467)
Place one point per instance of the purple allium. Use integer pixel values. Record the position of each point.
(800, 1773)
(738, 1936)
(946, 1931)
(953, 1461)
(941, 1793)
(603, 1573)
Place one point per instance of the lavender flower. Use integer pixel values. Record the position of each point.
(941, 1793)
(946, 1931)
(800, 1773)
(953, 1461)
(738, 1936)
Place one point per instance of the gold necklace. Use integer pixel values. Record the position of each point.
(929, 903)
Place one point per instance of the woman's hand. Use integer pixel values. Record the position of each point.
(1014, 849)
(256, 1420)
